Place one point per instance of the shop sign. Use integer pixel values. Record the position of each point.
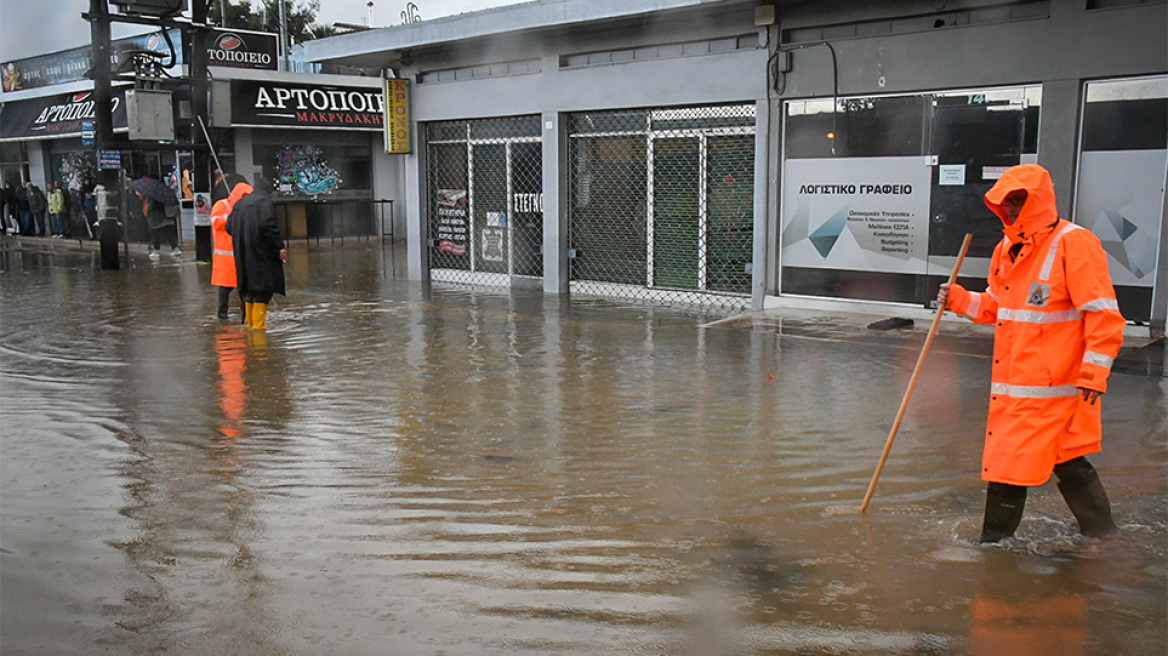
(57, 116)
(397, 116)
(71, 65)
(276, 104)
(859, 214)
(238, 49)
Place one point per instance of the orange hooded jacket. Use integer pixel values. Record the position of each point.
(222, 249)
(1058, 330)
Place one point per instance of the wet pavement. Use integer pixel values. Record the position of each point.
(396, 468)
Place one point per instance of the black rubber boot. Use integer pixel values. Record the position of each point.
(1083, 491)
(224, 294)
(1003, 512)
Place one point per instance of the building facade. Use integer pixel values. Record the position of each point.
(315, 138)
(752, 154)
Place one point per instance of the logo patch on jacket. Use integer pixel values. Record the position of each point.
(1039, 294)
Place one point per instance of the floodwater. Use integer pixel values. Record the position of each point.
(400, 469)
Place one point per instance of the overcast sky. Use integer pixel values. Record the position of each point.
(33, 27)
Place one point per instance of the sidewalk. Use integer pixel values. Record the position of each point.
(1143, 353)
(73, 244)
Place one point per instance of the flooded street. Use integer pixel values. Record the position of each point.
(403, 469)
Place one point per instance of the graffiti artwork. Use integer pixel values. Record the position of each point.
(304, 170)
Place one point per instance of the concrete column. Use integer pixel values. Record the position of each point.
(762, 196)
(1160, 285)
(417, 234)
(1058, 137)
(556, 269)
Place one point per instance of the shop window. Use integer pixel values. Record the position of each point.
(661, 204)
(309, 171)
(486, 201)
(879, 192)
(13, 163)
(1120, 192)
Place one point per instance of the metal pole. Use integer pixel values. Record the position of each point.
(283, 36)
(203, 180)
(103, 134)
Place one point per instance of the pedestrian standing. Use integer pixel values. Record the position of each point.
(228, 190)
(161, 226)
(37, 204)
(57, 209)
(259, 253)
(6, 200)
(1058, 330)
(22, 209)
(89, 206)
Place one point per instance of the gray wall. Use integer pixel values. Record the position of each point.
(951, 45)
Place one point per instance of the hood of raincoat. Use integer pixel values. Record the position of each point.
(1040, 210)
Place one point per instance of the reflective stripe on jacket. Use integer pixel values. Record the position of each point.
(1058, 329)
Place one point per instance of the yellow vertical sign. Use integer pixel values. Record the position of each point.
(397, 116)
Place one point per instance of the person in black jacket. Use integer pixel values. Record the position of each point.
(6, 199)
(259, 252)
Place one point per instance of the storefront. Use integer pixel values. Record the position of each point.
(1120, 194)
(316, 141)
(833, 153)
(43, 140)
(878, 210)
(486, 201)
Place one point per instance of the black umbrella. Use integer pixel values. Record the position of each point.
(155, 189)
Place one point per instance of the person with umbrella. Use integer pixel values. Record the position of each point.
(160, 207)
(259, 252)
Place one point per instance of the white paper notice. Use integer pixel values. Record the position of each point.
(951, 175)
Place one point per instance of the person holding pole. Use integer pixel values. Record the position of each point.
(227, 191)
(1058, 330)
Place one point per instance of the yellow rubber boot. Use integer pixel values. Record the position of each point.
(257, 316)
(247, 313)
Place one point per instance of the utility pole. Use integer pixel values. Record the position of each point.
(283, 37)
(203, 178)
(108, 180)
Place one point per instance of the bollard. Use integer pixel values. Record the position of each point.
(109, 228)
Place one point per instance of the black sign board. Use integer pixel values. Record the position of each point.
(70, 65)
(56, 116)
(280, 104)
(238, 49)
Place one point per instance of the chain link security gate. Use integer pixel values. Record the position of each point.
(486, 201)
(661, 204)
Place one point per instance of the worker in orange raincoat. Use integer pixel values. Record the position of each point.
(228, 190)
(1058, 331)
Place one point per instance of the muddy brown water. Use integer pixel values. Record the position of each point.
(401, 469)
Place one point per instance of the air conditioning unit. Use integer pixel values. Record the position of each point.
(150, 7)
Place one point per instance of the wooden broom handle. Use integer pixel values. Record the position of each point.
(913, 381)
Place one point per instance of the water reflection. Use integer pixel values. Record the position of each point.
(392, 468)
